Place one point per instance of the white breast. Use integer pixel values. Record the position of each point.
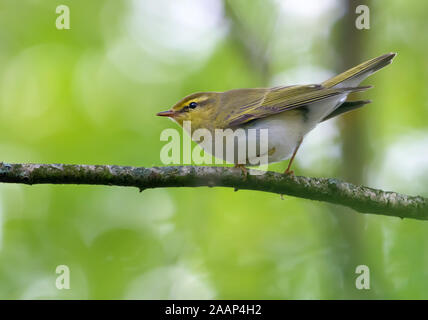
(284, 131)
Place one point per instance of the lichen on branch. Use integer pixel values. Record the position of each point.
(360, 198)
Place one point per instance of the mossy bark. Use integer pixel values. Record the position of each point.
(359, 198)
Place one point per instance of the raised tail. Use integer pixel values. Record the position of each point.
(353, 76)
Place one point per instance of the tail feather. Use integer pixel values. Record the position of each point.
(346, 107)
(353, 76)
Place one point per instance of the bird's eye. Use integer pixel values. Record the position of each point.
(193, 105)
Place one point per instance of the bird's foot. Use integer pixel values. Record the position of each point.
(289, 172)
(244, 170)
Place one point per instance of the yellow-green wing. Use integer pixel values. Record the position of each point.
(359, 72)
(241, 106)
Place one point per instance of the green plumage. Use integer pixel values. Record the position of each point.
(287, 113)
(261, 103)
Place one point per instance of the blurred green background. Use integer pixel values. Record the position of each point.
(89, 95)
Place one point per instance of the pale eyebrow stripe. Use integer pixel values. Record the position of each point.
(201, 99)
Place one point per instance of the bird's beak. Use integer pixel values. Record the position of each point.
(168, 113)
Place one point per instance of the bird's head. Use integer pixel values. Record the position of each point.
(199, 108)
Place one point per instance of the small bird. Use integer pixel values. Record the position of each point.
(288, 112)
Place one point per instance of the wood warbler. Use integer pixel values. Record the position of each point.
(288, 112)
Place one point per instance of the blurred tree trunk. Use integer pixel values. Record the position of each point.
(348, 231)
(253, 46)
(351, 46)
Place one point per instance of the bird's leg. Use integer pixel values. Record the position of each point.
(243, 169)
(287, 171)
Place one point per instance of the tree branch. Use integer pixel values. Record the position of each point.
(359, 198)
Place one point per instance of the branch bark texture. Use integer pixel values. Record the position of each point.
(359, 198)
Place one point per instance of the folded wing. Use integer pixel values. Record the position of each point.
(280, 99)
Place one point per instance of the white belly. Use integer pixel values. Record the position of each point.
(284, 132)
